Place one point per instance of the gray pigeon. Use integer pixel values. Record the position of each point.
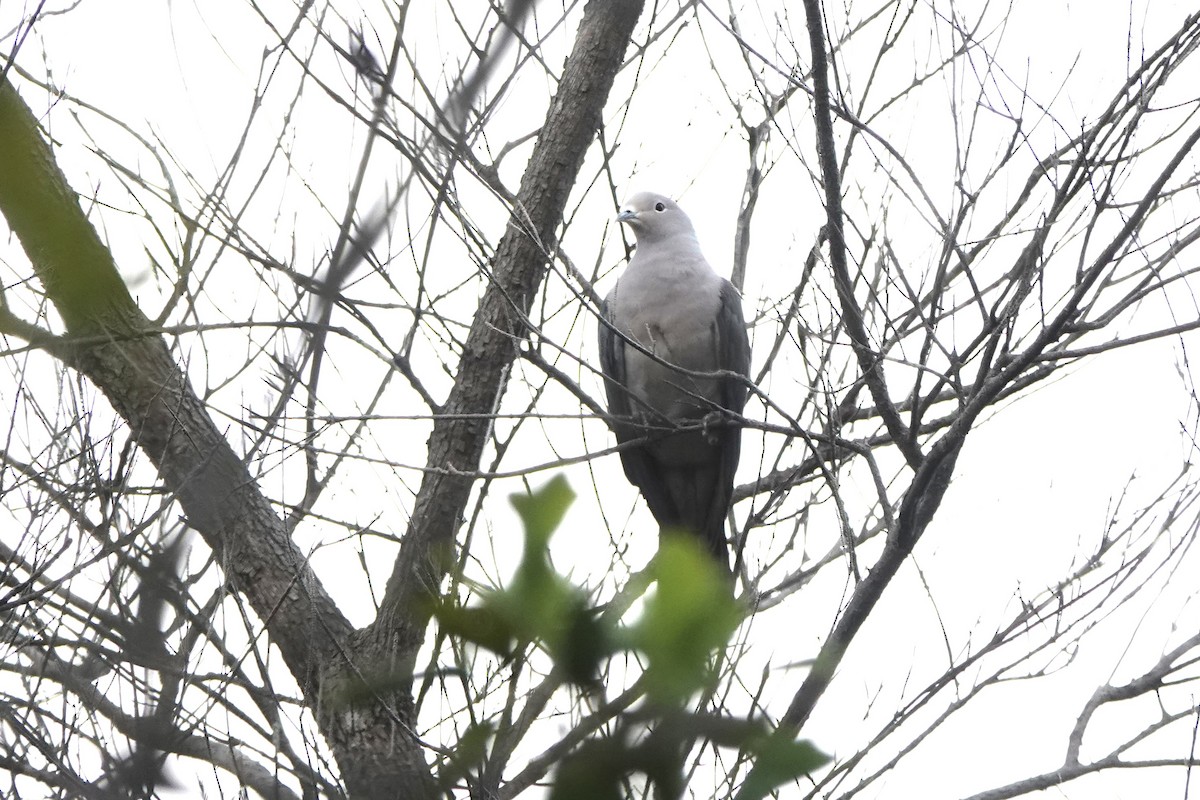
(669, 323)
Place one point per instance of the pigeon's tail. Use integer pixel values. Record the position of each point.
(692, 494)
(699, 503)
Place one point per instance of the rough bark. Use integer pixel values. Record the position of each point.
(390, 646)
(112, 344)
(520, 264)
(110, 341)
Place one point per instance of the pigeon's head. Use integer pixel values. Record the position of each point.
(654, 216)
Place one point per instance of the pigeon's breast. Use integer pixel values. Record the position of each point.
(675, 321)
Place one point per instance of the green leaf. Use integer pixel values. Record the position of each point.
(467, 755)
(593, 772)
(538, 601)
(539, 605)
(535, 606)
(584, 642)
(365, 687)
(542, 512)
(480, 625)
(734, 732)
(542, 606)
(690, 615)
(780, 758)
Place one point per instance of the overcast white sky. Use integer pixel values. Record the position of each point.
(1039, 477)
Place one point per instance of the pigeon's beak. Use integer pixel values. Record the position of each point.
(627, 215)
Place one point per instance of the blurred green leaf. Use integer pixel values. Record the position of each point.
(592, 772)
(659, 756)
(468, 754)
(779, 758)
(731, 732)
(585, 642)
(539, 604)
(542, 512)
(480, 625)
(690, 615)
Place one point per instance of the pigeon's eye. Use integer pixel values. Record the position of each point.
(660, 207)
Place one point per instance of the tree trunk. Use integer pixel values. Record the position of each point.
(110, 341)
(522, 258)
(520, 264)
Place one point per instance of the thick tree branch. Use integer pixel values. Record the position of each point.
(870, 362)
(114, 348)
(521, 261)
(932, 472)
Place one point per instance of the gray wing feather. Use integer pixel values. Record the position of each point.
(640, 468)
(734, 347)
(733, 352)
(673, 494)
(612, 363)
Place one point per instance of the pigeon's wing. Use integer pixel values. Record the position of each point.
(612, 364)
(733, 356)
(733, 348)
(640, 467)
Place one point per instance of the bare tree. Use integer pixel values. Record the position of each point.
(262, 420)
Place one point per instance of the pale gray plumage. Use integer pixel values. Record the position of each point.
(688, 322)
